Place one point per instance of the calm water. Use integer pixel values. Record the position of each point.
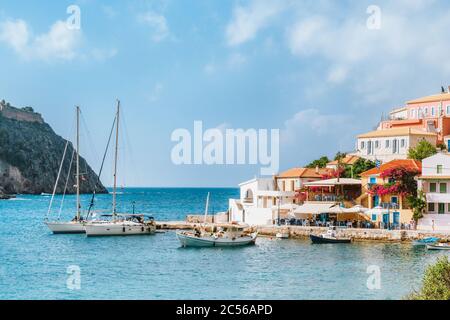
(33, 263)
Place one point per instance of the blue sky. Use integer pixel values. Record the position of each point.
(309, 68)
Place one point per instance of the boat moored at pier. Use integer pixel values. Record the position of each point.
(331, 236)
(225, 236)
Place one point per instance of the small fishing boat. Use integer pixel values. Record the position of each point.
(226, 236)
(438, 246)
(425, 241)
(283, 235)
(329, 237)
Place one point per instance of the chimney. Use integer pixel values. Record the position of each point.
(448, 89)
(317, 169)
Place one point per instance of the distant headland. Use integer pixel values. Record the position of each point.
(30, 155)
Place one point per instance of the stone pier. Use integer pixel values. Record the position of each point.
(298, 232)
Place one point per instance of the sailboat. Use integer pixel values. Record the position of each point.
(77, 224)
(120, 224)
(226, 235)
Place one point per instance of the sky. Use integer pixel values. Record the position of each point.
(312, 69)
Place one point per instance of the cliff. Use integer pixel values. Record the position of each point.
(30, 155)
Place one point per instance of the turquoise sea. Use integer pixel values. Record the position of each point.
(34, 263)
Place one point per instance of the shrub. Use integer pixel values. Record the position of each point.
(435, 283)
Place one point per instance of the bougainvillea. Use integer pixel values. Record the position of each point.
(399, 180)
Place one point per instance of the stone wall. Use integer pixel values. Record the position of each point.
(355, 234)
(20, 115)
(217, 218)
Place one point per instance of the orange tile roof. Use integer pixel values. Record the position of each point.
(408, 163)
(432, 98)
(304, 173)
(350, 160)
(397, 131)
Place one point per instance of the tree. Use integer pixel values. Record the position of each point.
(418, 205)
(321, 163)
(362, 165)
(435, 283)
(340, 156)
(423, 150)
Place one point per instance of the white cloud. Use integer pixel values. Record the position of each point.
(337, 74)
(210, 68)
(15, 34)
(310, 134)
(157, 23)
(59, 43)
(409, 46)
(103, 54)
(247, 21)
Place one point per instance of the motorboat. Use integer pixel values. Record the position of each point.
(331, 236)
(282, 235)
(438, 246)
(425, 241)
(225, 236)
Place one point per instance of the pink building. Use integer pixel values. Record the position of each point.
(430, 114)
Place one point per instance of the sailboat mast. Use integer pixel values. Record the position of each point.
(206, 208)
(78, 163)
(115, 160)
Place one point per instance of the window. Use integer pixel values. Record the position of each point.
(292, 185)
(443, 188)
(441, 208)
(373, 180)
(403, 143)
(439, 169)
(448, 110)
(431, 207)
(448, 207)
(394, 146)
(387, 143)
(362, 144)
(432, 111)
(433, 187)
(377, 145)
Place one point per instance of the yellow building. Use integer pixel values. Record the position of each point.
(395, 204)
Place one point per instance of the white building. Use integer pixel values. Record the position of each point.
(259, 202)
(435, 183)
(390, 144)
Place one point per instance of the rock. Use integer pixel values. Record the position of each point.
(30, 155)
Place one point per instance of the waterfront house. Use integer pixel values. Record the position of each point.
(380, 190)
(435, 183)
(324, 196)
(259, 202)
(295, 178)
(390, 144)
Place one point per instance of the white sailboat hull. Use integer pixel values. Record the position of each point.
(59, 227)
(188, 240)
(118, 229)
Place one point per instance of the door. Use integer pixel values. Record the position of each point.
(397, 218)
(376, 201)
(386, 218)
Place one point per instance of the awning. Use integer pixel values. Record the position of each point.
(377, 211)
(313, 208)
(333, 182)
(438, 197)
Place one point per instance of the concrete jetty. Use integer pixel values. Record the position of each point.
(300, 232)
